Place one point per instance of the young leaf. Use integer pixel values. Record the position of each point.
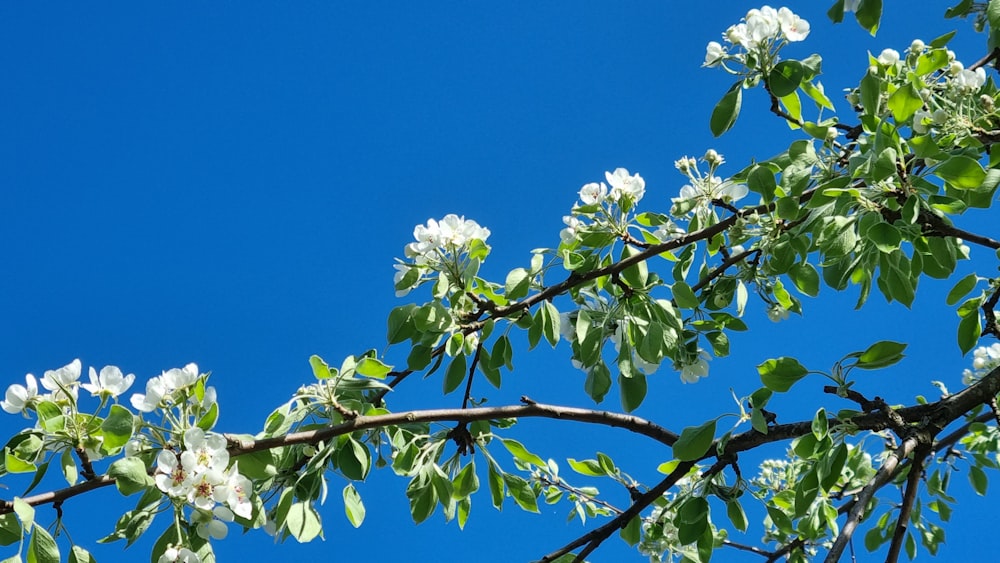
(727, 110)
(633, 390)
(455, 374)
(881, 354)
(781, 373)
(694, 441)
(353, 507)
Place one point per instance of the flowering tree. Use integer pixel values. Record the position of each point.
(872, 200)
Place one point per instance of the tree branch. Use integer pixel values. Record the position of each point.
(909, 495)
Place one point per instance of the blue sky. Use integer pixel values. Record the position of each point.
(229, 186)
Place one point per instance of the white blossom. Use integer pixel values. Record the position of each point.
(110, 382)
(970, 80)
(204, 451)
(569, 234)
(793, 27)
(623, 185)
(171, 477)
(178, 554)
(922, 119)
(696, 369)
(593, 193)
(235, 492)
(714, 52)
(450, 234)
(63, 380)
(149, 401)
(777, 313)
(20, 397)
(668, 231)
(888, 57)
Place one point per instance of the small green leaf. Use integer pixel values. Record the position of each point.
(588, 467)
(684, 296)
(805, 277)
(130, 475)
(455, 374)
(520, 452)
(372, 367)
(117, 428)
(633, 390)
(969, 329)
(904, 102)
(42, 548)
(736, 515)
(820, 424)
(868, 14)
(781, 373)
(320, 368)
(881, 354)
(520, 489)
(518, 283)
(68, 464)
(962, 172)
(978, 479)
(785, 78)
(466, 482)
(694, 441)
(962, 288)
(80, 555)
(632, 532)
(302, 522)
(353, 507)
(598, 382)
(727, 110)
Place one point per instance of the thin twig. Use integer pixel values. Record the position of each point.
(909, 494)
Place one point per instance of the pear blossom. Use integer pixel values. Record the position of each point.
(63, 380)
(921, 121)
(622, 184)
(668, 231)
(714, 52)
(793, 27)
(156, 390)
(203, 484)
(19, 397)
(179, 554)
(110, 382)
(171, 476)
(888, 57)
(235, 492)
(970, 80)
(449, 234)
(177, 378)
(571, 231)
(777, 313)
(698, 368)
(204, 451)
(593, 193)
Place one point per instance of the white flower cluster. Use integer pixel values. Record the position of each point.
(162, 391)
(626, 190)
(200, 475)
(984, 360)
(759, 31)
(706, 187)
(450, 234)
(695, 368)
(436, 242)
(63, 384)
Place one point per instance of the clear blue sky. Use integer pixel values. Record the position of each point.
(229, 184)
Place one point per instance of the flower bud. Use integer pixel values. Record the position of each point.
(917, 47)
(955, 68)
(987, 102)
(713, 158)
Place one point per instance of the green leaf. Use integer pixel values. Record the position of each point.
(520, 489)
(632, 532)
(781, 373)
(820, 424)
(466, 482)
(962, 172)
(598, 382)
(42, 548)
(372, 367)
(691, 520)
(694, 441)
(978, 479)
(904, 102)
(455, 374)
(868, 14)
(550, 322)
(117, 428)
(805, 277)
(400, 326)
(320, 368)
(633, 390)
(969, 330)
(303, 522)
(588, 467)
(130, 475)
(68, 464)
(727, 110)
(962, 288)
(684, 296)
(932, 60)
(25, 512)
(736, 515)
(520, 452)
(881, 354)
(495, 480)
(761, 181)
(80, 555)
(637, 274)
(353, 507)
(518, 283)
(785, 77)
